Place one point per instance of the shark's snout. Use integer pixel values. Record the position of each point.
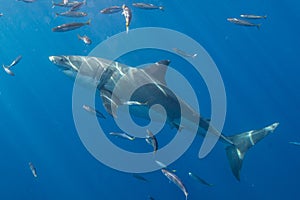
(62, 62)
(55, 59)
(51, 58)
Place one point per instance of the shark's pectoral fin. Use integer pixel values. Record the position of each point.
(158, 70)
(109, 102)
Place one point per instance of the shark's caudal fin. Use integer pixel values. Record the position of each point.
(241, 143)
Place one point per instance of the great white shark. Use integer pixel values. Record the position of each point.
(104, 74)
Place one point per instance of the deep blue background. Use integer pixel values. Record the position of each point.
(260, 70)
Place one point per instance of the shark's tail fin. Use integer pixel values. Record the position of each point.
(241, 143)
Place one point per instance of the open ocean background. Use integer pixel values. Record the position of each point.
(260, 70)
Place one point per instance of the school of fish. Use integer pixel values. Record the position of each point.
(72, 11)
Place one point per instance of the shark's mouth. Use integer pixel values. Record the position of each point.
(63, 63)
(53, 59)
(64, 69)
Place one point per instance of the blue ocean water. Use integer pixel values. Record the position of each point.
(260, 73)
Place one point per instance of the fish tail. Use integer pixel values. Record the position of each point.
(258, 26)
(194, 55)
(127, 28)
(78, 36)
(161, 8)
(53, 4)
(88, 22)
(241, 143)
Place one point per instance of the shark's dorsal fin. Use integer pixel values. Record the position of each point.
(158, 70)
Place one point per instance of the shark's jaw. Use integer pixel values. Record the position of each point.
(65, 65)
(65, 62)
(90, 74)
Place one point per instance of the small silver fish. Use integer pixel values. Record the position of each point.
(33, 169)
(128, 16)
(139, 177)
(14, 62)
(295, 143)
(1, 14)
(94, 111)
(122, 135)
(254, 16)
(172, 177)
(147, 6)
(182, 53)
(111, 10)
(78, 5)
(66, 4)
(27, 1)
(242, 22)
(85, 39)
(151, 139)
(70, 26)
(197, 178)
(72, 14)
